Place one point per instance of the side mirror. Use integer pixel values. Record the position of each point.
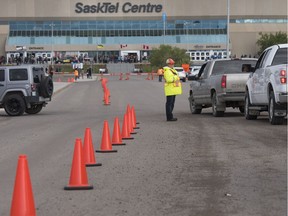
(192, 77)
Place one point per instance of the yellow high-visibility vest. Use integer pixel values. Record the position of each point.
(170, 87)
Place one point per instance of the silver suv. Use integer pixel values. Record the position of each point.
(24, 88)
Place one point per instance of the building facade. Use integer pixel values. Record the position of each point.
(121, 27)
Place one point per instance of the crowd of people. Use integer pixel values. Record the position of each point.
(31, 59)
(131, 58)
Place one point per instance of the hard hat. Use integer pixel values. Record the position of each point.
(170, 61)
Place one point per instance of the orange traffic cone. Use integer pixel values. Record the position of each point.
(120, 78)
(148, 76)
(59, 80)
(127, 76)
(134, 118)
(106, 145)
(88, 150)
(134, 113)
(106, 98)
(108, 92)
(69, 80)
(129, 120)
(116, 137)
(22, 201)
(103, 83)
(78, 174)
(125, 130)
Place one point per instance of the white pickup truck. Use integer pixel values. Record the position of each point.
(266, 88)
(219, 84)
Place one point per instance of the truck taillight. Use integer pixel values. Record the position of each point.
(223, 81)
(283, 79)
(33, 87)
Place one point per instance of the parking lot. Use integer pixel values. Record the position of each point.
(199, 165)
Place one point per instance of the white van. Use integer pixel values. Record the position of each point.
(181, 73)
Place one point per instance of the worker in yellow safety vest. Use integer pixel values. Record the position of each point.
(172, 88)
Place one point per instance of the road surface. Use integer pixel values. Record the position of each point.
(197, 166)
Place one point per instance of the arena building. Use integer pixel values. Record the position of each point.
(95, 29)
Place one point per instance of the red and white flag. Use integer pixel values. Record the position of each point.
(145, 47)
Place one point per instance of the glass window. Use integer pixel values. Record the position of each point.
(280, 57)
(32, 40)
(18, 74)
(264, 56)
(234, 66)
(2, 75)
(205, 72)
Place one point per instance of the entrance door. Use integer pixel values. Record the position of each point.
(130, 56)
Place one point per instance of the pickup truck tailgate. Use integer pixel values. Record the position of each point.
(236, 82)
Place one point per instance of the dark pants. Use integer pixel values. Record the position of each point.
(160, 78)
(170, 101)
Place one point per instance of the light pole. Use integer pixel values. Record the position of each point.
(52, 42)
(186, 26)
(164, 26)
(228, 29)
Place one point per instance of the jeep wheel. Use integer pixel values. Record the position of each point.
(193, 107)
(14, 105)
(35, 108)
(274, 120)
(215, 112)
(46, 87)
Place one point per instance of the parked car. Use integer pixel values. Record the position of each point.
(137, 70)
(103, 70)
(24, 88)
(220, 84)
(266, 88)
(181, 73)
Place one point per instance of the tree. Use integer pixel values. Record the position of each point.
(267, 40)
(159, 55)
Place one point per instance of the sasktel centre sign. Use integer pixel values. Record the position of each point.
(108, 7)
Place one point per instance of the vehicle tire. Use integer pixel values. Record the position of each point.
(35, 108)
(46, 87)
(193, 108)
(214, 107)
(246, 109)
(14, 105)
(242, 109)
(274, 120)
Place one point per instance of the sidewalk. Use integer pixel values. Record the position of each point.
(59, 86)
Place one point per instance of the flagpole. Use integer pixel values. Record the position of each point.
(228, 29)
(96, 54)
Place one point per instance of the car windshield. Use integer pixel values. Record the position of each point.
(229, 67)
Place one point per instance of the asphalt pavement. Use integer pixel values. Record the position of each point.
(197, 166)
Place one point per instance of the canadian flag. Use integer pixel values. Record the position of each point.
(145, 47)
(123, 45)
